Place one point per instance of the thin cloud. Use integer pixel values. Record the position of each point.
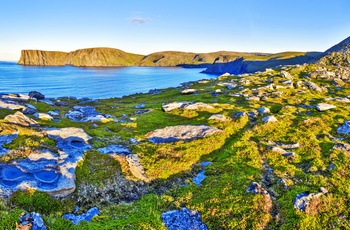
(139, 20)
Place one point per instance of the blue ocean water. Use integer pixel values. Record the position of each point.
(59, 81)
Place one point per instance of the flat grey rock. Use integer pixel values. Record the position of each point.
(323, 107)
(11, 105)
(181, 133)
(269, 119)
(20, 119)
(219, 117)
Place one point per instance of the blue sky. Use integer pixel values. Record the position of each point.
(146, 26)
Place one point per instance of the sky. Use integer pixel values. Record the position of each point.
(146, 26)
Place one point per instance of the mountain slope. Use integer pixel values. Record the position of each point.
(338, 55)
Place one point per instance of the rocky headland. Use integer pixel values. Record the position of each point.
(264, 150)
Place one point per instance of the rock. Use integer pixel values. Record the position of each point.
(76, 219)
(15, 97)
(286, 75)
(136, 167)
(338, 82)
(342, 147)
(198, 106)
(345, 128)
(253, 98)
(29, 110)
(256, 188)
(284, 145)
(323, 107)
(183, 219)
(269, 119)
(11, 105)
(154, 91)
(60, 103)
(263, 110)
(6, 139)
(20, 119)
(66, 133)
(278, 150)
(231, 86)
(115, 149)
(313, 86)
(180, 132)
(35, 94)
(54, 113)
(289, 154)
(219, 117)
(302, 200)
(240, 114)
(86, 114)
(43, 116)
(188, 91)
(199, 178)
(167, 107)
(32, 221)
(140, 106)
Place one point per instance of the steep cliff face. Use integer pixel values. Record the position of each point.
(39, 57)
(261, 62)
(102, 57)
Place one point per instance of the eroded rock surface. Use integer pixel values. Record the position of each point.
(180, 133)
(20, 119)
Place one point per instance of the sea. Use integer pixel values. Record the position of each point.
(94, 83)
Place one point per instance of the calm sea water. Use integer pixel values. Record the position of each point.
(91, 82)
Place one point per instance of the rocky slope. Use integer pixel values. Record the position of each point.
(338, 55)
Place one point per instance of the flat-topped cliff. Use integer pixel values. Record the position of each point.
(40, 57)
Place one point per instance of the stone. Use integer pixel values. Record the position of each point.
(140, 106)
(231, 86)
(253, 98)
(343, 99)
(43, 116)
(115, 149)
(198, 106)
(167, 107)
(219, 117)
(55, 113)
(338, 82)
(15, 97)
(313, 86)
(269, 119)
(188, 91)
(87, 114)
(263, 110)
(286, 75)
(11, 105)
(154, 91)
(256, 188)
(20, 119)
(37, 95)
(181, 133)
(183, 219)
(76, 219)
(29, 110)
(199, 178)
(345, 128)
(342, 147)
(278, 150)
(302, 200)
(31, 221)
(323, 107)
(136, 167)
(240, 114)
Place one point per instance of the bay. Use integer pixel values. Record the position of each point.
(95, 83)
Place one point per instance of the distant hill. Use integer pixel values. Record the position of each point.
(215, 62)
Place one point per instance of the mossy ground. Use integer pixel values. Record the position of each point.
(239, 155)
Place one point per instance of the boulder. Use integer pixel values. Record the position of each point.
(76, 219)
(219, 117)
(323, 107)
(167, 107)
(313, 86)
(183, 219)
(20, 119)
(256, 188)
(263, 110)
(269, 119)
(345, 128)
(286, 75)
(29, 110)
(37, 95)
(180, 133)
(302, 200)
(342, 147)
(11, 105)
(188, 91)
(338, 82)
(15, 97)
(32, 221)
(198, 106)
(43, 116)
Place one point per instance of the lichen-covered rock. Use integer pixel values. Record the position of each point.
(20, 119)
(180, 132)
(302, 200)
(345, 128)
(183, 219)
(76, 219)
(31, 221)
(219, 117)
(323, 107)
